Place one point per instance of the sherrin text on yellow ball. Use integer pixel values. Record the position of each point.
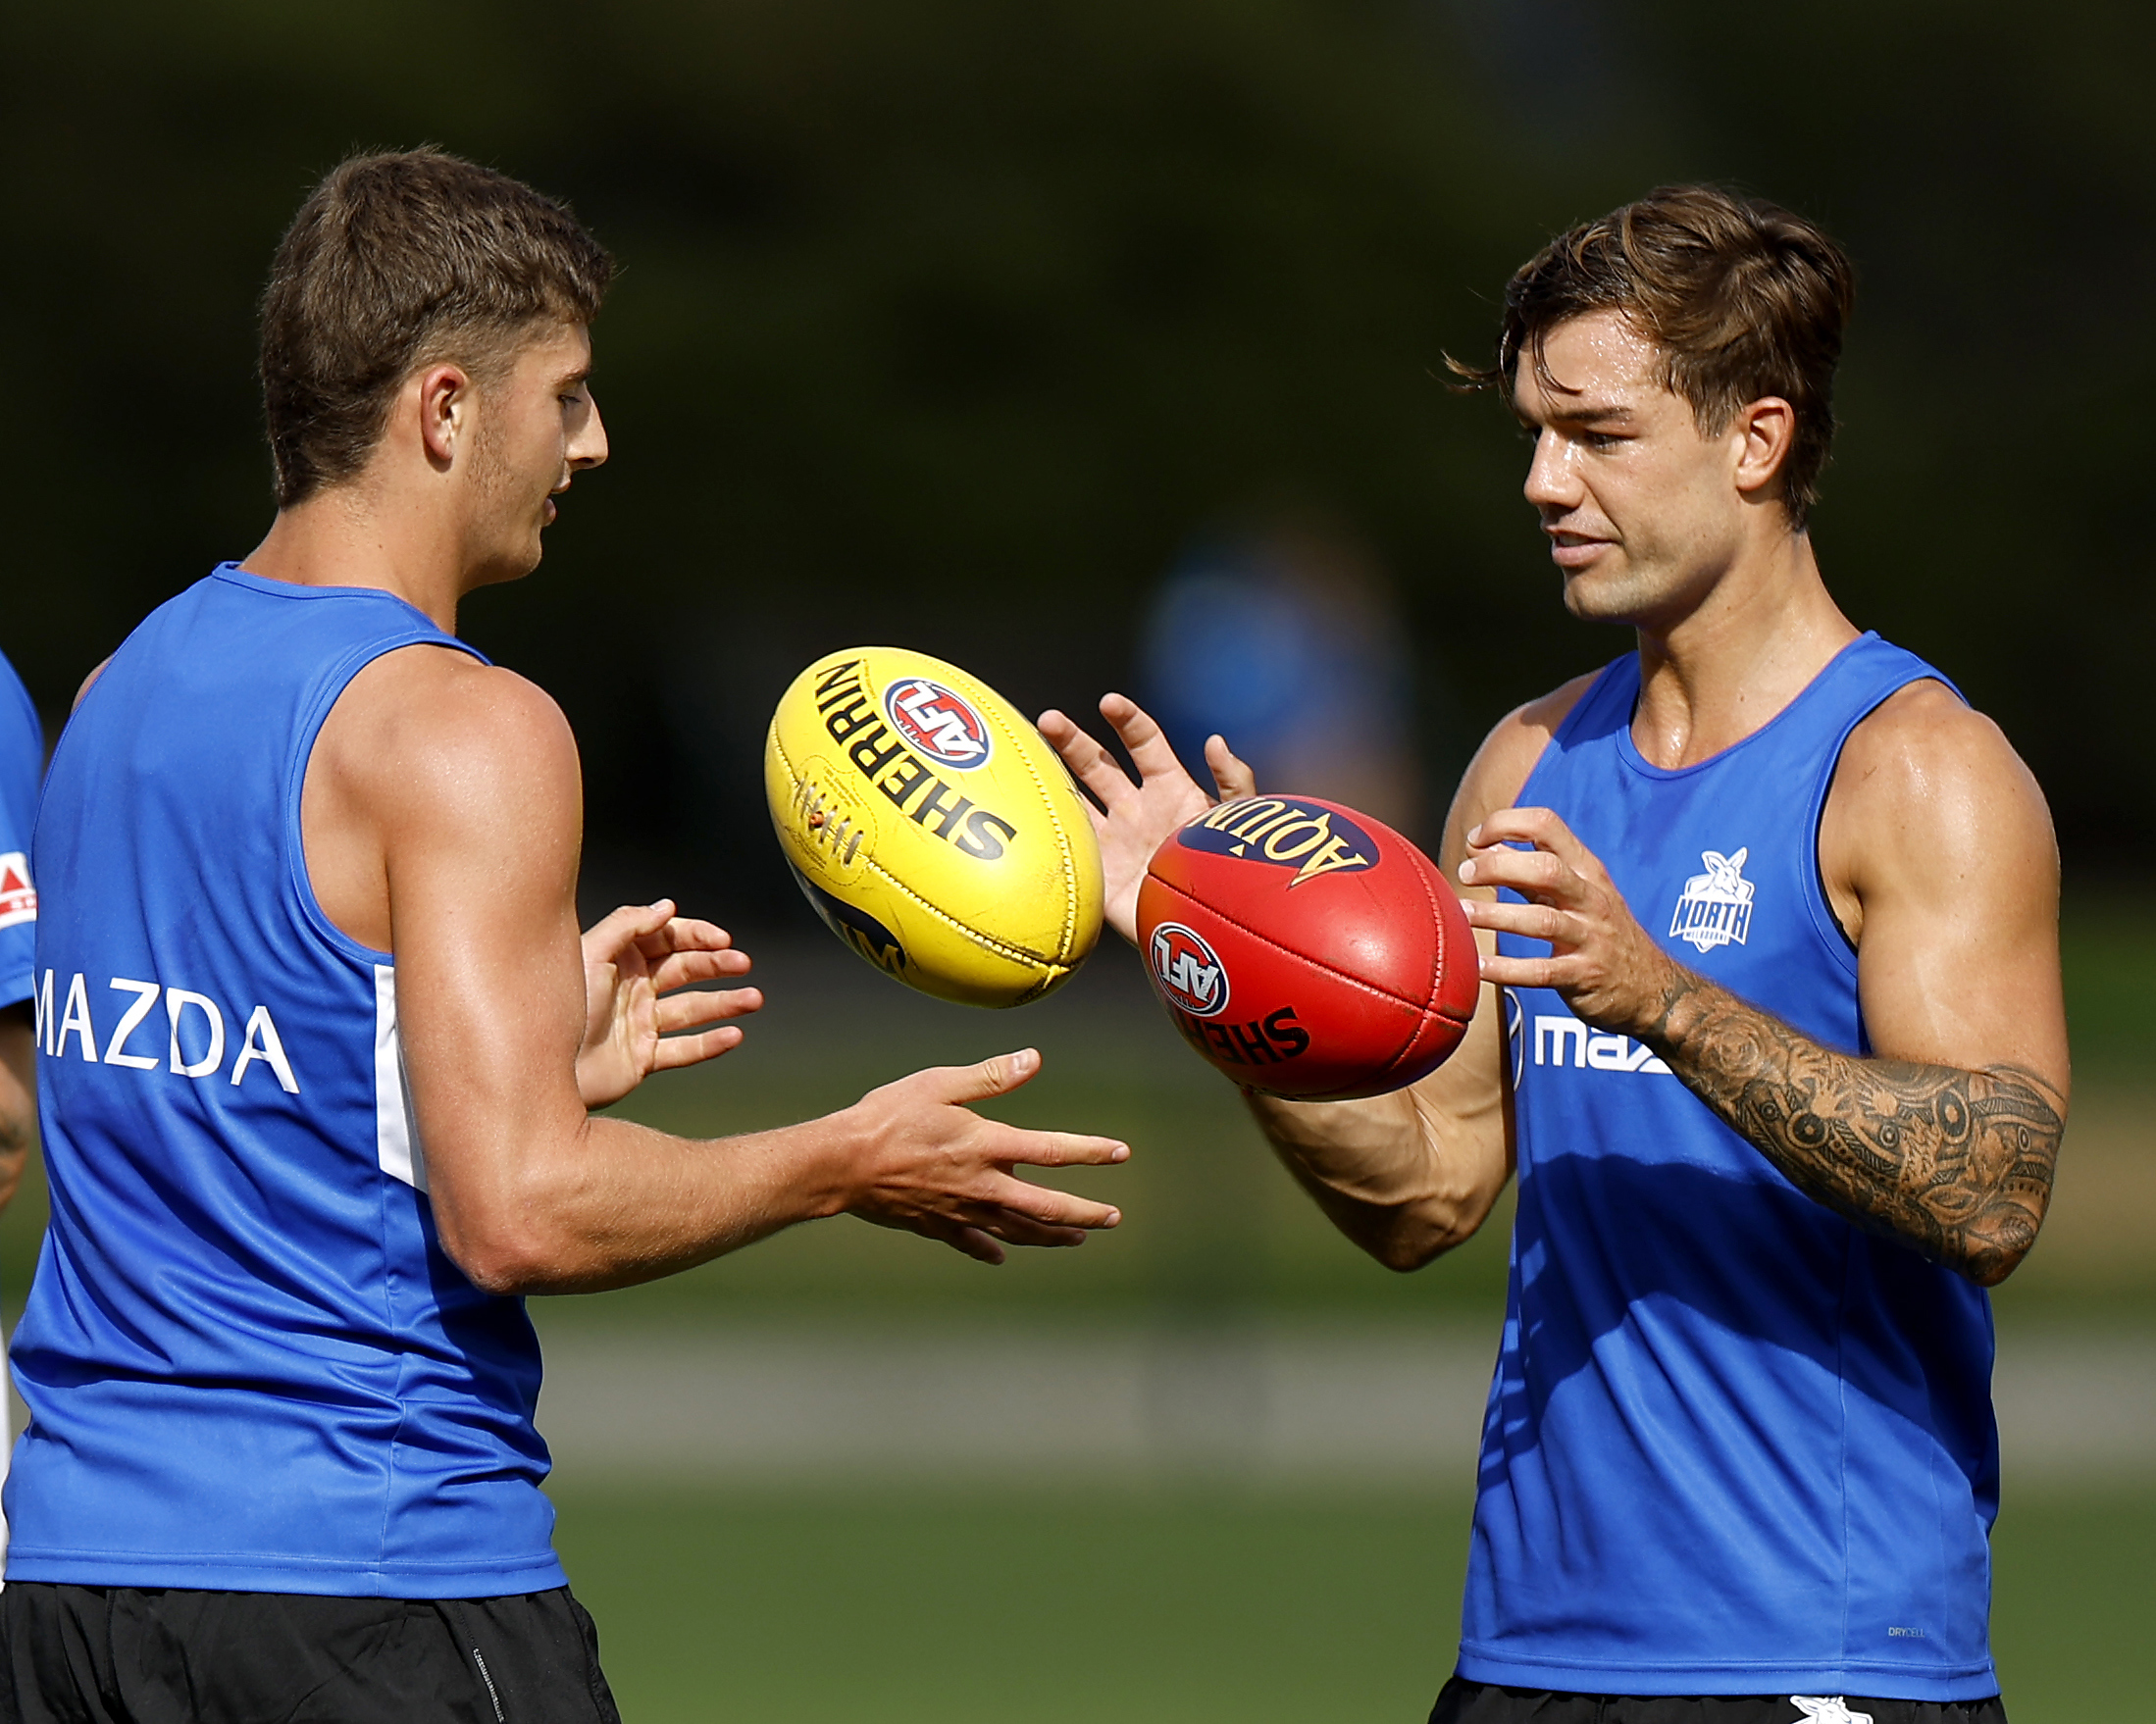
(931, 827)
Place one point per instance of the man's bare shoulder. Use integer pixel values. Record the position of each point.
(1924, 753)
(431, 727)
(1501, 767)
(1929, 793)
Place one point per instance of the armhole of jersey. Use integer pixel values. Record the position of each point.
(1833, 938)
(1571, 722)
(327, 691)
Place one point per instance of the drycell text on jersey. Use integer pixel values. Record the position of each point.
(851, 721)
(194, 1040)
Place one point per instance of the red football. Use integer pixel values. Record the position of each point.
(1305, 949)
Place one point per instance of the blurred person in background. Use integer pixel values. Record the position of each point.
(1287, 640)
(323, 1049)
(1780, 1056)
(22, 762)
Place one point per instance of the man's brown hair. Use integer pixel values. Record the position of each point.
(396, 260)
(1744, 299)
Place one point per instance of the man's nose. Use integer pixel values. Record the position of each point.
(587, 448)
(1551, 481)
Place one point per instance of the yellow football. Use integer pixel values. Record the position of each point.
(932, 827)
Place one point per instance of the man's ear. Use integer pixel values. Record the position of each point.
(1766, 431)
(445, 403)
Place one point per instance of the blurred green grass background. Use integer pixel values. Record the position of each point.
(1202, 1600)
(1066, 1606)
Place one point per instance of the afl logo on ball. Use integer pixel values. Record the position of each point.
(938, 722)
(1189, 971)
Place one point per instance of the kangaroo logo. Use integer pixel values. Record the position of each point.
(1714, 908)
(1190, 972)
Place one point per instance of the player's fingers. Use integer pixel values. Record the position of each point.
(1531, 921)
(676, 1052)
(978, 1245)
(1043, 1203)
(1147, 741)
(624, 927)
(1502, 971)
(1539, 827)
(960, 1236)
(706, 1005)
(1015, 1147)
(683, 969)
(685, 934)
(1092, 765)
(977, 1083)
(1540, 873)
(1014, 1229)
(1234, 777)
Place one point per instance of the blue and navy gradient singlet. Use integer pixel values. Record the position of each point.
(248, 1362)
(1735, 1445)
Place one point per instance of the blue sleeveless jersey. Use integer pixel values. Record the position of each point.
(1735, 1445)
(22, 764)
(248, 1363)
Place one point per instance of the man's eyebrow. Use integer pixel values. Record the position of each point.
(1587, 415)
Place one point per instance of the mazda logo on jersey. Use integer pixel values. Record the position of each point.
(1190, 972)
(1284, 831)
(196, 1039)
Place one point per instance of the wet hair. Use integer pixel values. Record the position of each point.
(398, 261)
(1744, 300)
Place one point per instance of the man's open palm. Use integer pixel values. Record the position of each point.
(634, 963)
(1138, 816)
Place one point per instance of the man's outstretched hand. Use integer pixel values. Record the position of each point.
(633, 959)
(1135, 816)
(931, 1165)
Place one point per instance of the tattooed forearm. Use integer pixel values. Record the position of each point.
(1956, 1163)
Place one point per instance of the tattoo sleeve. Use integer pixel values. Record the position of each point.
(1956, 1163)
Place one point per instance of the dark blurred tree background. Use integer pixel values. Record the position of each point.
(947, 322)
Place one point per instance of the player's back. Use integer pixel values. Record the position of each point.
(246, 1358)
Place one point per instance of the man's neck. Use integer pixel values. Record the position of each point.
(1733, 664)
(344, 537)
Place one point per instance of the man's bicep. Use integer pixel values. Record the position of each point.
(1958, 959)
(481, 862)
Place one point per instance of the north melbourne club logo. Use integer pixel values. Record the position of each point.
(1716, 907)
(1190, 972)
(17, 898)
(938, 722)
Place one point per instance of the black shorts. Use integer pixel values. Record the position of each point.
(138, 1655)
(1484, 1702)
